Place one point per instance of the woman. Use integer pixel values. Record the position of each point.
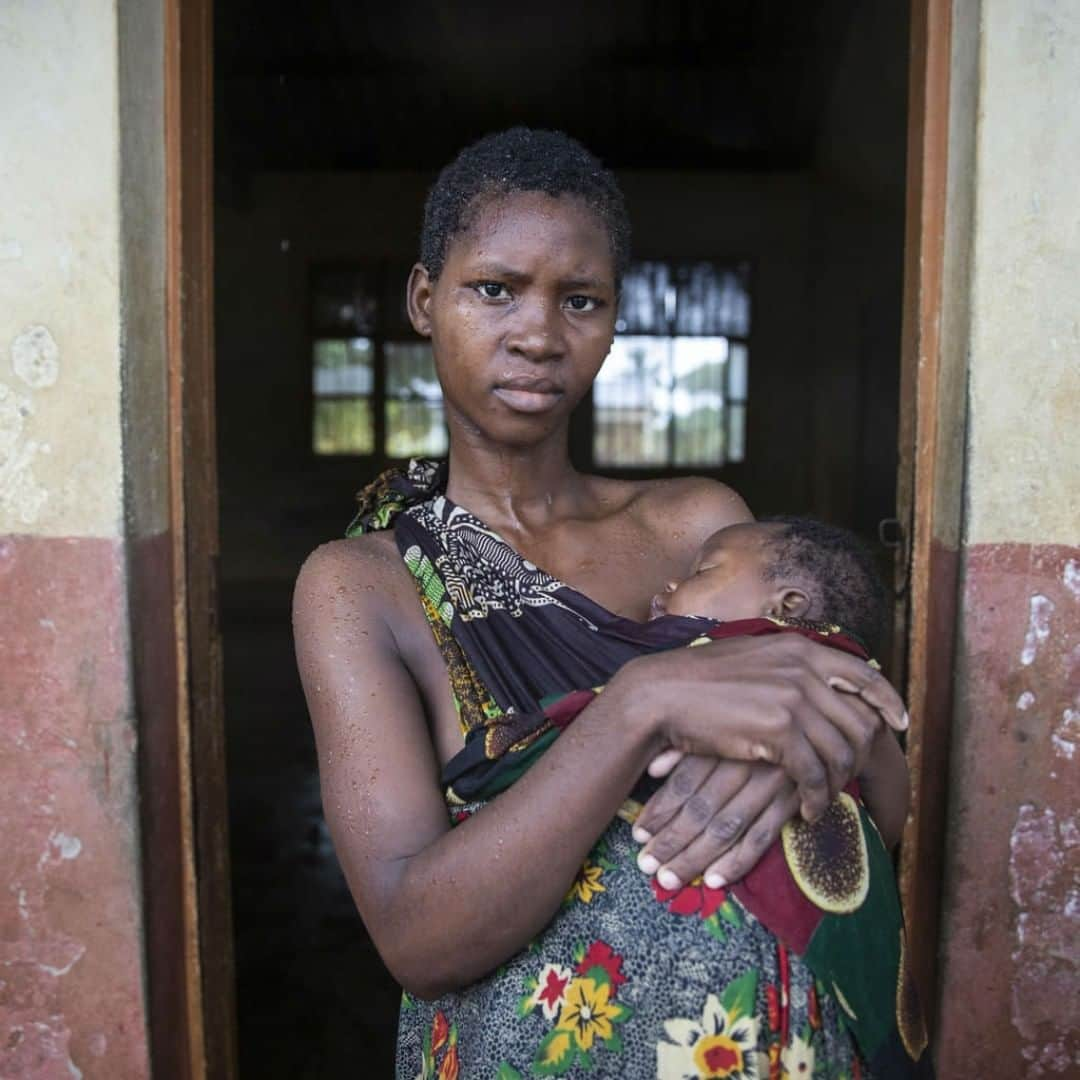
(521, 936)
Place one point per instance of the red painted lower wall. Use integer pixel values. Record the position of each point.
(71, 994)
(1010, 990)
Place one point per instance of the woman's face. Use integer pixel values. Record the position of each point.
(521, 317)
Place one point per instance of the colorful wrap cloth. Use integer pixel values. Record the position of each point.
(797, 970)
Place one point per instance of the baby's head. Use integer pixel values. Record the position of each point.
(786, 567)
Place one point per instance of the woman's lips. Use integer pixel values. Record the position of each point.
(528, 395)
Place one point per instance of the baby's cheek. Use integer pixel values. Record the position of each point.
(683, 601)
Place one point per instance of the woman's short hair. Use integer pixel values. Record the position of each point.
(520, 159)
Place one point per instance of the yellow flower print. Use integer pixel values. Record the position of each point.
(720, 1046)
(587, 1014)
(587, 883)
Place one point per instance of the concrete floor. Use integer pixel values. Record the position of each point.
(314, 1001)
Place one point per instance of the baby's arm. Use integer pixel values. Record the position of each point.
(884, 785)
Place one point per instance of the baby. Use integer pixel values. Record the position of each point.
(825, 889)
(801, 573)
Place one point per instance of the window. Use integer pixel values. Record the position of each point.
(374, 385)
(672, 392)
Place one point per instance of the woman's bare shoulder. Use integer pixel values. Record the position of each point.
(696, 501)
(364, 574)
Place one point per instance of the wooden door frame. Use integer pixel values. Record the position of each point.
(928, 489)
(198, 960)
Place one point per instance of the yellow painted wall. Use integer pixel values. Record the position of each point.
(60, 443)
(1023, 479)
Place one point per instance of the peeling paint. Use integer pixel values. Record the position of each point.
(68, 847)
(70, 927)
(1066, 735)
(35, 1048)
(1044, 882)
(1071, 577)
(59, 848)
(1038, 631)
(19, 490)
(1025, 701)
(35, 357)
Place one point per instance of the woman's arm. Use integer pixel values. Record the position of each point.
(445, 907)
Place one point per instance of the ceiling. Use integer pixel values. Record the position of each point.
(350, 84)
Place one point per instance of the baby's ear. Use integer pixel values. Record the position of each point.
(789, 603)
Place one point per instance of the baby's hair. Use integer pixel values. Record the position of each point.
(517, 160)
(839, 564)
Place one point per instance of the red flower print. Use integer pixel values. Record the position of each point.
(812, 1008)
(553, 989)
(440, 1029)
(772, 999)
(693, 899)
(449, 1068)
(601, 955)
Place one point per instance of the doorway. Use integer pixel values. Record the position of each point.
(747, 135)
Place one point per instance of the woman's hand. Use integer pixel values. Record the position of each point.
(713, 819)
(771, 699)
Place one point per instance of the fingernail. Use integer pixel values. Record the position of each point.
(667, 879)
(905, 721)
(715, 881)
(648, 864)
(642, 836)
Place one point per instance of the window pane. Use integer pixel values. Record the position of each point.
(712, 299)
(737, 373)
(415, 428)
(632, 403)
(343, 426)
(698, 399)
(647, 302)
(343, 367)
(415, 424)
(736, 424)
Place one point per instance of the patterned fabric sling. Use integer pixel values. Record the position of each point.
(796, 971)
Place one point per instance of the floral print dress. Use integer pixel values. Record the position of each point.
(627, 980)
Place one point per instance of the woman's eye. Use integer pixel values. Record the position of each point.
(582, 303)
(493, 290)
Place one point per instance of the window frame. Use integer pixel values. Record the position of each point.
(379, 272)
(583, 425)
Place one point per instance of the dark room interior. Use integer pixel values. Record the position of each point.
(761, 148)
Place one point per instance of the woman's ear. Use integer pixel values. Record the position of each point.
(418, 299)
(789, 603)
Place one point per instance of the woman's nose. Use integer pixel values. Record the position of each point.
(537, 332)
